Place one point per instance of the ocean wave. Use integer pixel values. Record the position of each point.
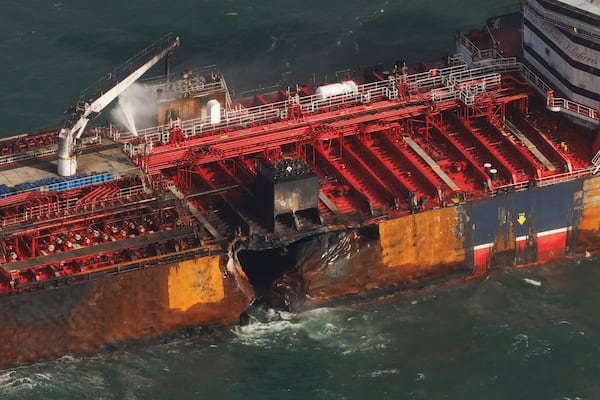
(121, 375)
(19, 381)
(333, 329)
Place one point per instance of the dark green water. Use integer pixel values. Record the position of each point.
(50, 50)
(500, 337)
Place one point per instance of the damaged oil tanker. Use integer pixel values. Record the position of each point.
(304, 194)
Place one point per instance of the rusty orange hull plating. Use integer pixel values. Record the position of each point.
(117, 309)
(209, 291)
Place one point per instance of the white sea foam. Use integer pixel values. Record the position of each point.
(378, 373)
(520, 341)
(532, 282)
(267, 328)
(19, 380)
(323, 327)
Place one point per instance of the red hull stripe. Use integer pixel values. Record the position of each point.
(549, 243)
(552, 244)
(481, 254)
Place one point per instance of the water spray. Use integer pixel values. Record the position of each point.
(136, 108)
(126, 113)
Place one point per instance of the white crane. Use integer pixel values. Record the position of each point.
(87, 109)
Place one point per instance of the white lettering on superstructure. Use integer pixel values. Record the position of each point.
(577, 54)
(575, 51)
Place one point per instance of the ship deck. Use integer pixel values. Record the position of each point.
(401, 143)
(105, 157)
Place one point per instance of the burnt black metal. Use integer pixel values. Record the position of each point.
(285, 188)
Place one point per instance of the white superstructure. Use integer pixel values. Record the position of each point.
(561, 39)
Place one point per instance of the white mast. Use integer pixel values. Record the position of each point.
(87, 109)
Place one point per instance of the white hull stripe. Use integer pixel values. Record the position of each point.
(521, 238)
(546, 233)
(483, 246)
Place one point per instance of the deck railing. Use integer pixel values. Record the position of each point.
(45, 151)
(116, 269)
(439, 84)
(496, 62)
(541, 182)
(36, 212)
(560, 20)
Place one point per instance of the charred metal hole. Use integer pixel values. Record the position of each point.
(273, 275)
(371, 232)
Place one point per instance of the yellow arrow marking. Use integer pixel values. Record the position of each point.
(521, 220)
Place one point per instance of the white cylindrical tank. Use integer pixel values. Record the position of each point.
(67, 162)
(213, 109)
(336, 89)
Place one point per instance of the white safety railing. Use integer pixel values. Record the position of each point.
(53, 207)
(596, 162)
(436, 82)
(576, 109)
(560, 104)
(44, 151)
(560, 20)
(28, 155)
(494, 61)
(204, 80)
(454, 82)
(545, 181)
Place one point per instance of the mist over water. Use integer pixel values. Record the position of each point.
(515, 334)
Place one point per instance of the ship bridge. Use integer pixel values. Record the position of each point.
(561, 40)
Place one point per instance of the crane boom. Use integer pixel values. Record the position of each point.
(87, 109)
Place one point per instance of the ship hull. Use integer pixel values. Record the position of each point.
(512, 229)
(115, 310)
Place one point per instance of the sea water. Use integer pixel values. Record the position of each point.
(496, 337)
(514, 334)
